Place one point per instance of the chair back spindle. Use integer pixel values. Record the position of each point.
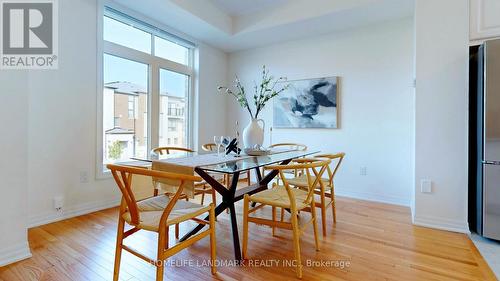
(309, 165)
(336, 158)
(124, 184)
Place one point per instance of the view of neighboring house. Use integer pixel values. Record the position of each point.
(172, 120)
(125, 122)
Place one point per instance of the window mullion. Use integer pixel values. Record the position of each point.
(155, 105)
(128, 53)
(173, 66)
(191, 114)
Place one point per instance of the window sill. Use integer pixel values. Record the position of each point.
(103, 175)
(106, 174)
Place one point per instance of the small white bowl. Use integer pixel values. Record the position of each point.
(253, 152)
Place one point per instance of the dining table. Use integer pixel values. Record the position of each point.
(233, 165)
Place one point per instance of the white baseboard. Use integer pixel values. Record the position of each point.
(437, 223)
(72, 211)
(14, 253)
(86, 208)
(442, 224)
(373, 197)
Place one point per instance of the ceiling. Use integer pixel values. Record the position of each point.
(233, 25)
(244, 7)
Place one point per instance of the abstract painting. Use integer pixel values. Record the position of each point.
(308, 103)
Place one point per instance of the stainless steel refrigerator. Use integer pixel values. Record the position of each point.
(484, 140)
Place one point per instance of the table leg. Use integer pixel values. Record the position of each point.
(229, 201)
(236, 237)
(219, 209)
(259, 176)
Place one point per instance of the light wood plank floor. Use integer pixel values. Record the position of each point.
(377, 240)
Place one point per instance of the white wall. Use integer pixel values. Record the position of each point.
(13, 163)
(62, 121)
(376, 103)
(211, 105)
(441, 113)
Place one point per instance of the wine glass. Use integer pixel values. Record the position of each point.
(218, 142)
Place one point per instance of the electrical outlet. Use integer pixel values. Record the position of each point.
(58, 203)
(426, 186)
(84, 177)
(363, 171)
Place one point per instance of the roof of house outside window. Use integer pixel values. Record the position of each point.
(126, 88)
(118, 131)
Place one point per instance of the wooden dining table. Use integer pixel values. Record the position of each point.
(234, 166)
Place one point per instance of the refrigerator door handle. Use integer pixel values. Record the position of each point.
(491, 162)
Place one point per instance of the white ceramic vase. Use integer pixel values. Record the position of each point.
(253, 133)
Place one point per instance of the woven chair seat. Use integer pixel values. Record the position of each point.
(278, 197)
(151, 210)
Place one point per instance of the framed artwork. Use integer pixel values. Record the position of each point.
(308, 103)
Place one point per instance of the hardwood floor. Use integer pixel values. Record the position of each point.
(374, 241)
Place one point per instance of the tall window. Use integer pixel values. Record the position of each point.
(147, 77)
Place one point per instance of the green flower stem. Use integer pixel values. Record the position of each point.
(263, 92)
